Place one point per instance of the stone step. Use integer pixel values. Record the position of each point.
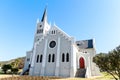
(25, 72)
(81, 73)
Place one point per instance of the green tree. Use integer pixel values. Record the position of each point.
(14, 70)
(109, 62)
(18, 63)
(6, 67)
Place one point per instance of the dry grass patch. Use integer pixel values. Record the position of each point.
(105, 76)
(6, 76)
(29, 78)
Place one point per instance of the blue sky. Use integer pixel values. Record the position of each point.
(82, 19)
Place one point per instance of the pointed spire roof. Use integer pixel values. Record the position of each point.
(44, 17)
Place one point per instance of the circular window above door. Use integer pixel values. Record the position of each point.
(52, 44)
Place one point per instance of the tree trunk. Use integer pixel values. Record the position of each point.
(5, 72)
(119, 78)
(112, 75)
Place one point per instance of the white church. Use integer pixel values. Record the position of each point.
(55, 53)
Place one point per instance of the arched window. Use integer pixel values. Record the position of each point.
(37, 58)
(54, 31)
(28, 59)
(40, 58)
(40, 26)
(67, 57)
(85, 52)
(53, 58)
(63, 57)
(49, 58)
(41, 30)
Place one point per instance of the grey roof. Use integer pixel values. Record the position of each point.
(44, 14)
(84, 44)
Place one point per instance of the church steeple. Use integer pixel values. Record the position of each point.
(44, 17)
(42, 26)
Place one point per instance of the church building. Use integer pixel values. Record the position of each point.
(55, 53)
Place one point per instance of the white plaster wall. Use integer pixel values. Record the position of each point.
(28, 56)
(73, 65)
(85, 56)
(38, 36)
(50, 66)
(39, 51)
(65, 66)
(93, 69)
(92, 64)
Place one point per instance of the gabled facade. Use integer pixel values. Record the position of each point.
(55, 53)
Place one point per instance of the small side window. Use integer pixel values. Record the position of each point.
(53, 58)
(78, 44)
(49, 58)
(40, 58)
(67, 57)
(39, 31)
(53, 32)
(40, 26)
(37, 58)
(63, 57)
(28, 59)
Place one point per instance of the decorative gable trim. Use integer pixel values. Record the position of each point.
(65, 35)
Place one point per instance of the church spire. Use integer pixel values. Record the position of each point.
(44, 17)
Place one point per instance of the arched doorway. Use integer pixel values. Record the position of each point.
(81, 62)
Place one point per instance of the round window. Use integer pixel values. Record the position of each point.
(52, 44)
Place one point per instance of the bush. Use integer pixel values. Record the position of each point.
(14, 70)
(6, 67)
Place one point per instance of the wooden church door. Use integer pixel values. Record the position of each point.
(81, 63)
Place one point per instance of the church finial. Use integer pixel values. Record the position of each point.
(44, 17)
(54, 24)
(38, 20)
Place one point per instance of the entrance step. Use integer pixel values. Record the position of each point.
(25, 72)
(81, 72)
